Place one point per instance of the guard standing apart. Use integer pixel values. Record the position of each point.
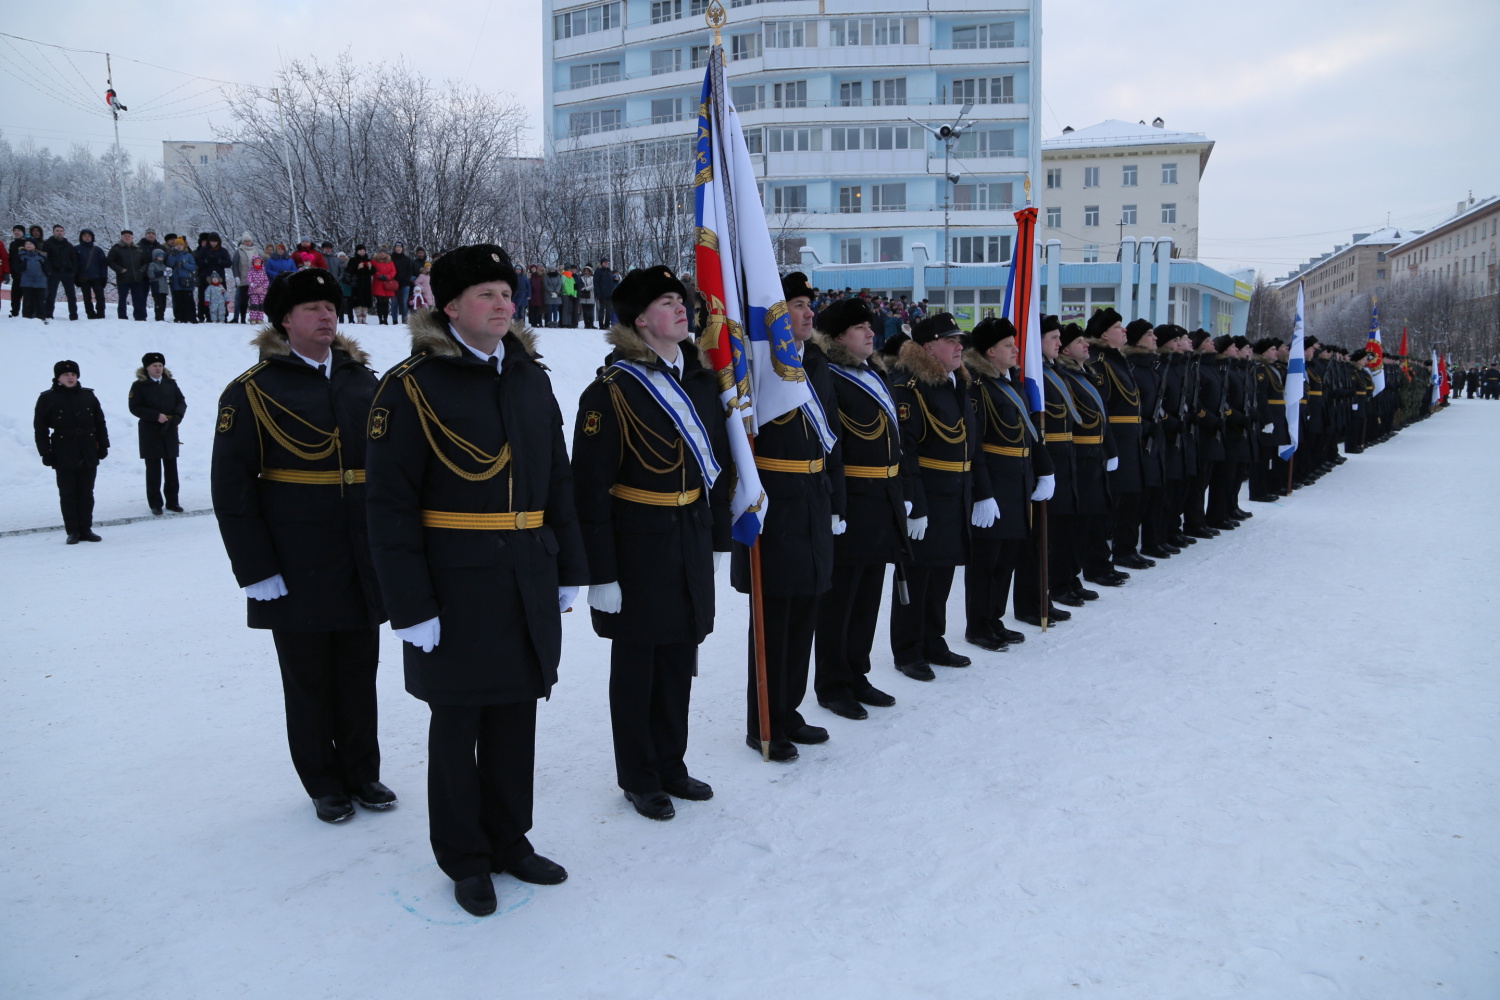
(938, 442)
(288, 491)
(801, 474)
(158, 406)
(72, 440)
(650, 471)
(478, 552)
(875, 508)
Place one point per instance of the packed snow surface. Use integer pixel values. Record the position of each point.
(1266, 768)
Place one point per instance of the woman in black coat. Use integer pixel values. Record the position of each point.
(360, 274)
(72, 440)
(158, 406)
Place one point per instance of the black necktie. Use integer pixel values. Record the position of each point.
(323, 370)
(494, 362)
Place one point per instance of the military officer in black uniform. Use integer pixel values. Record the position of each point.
(72, 439)
(288, 492)
(478, 550)
(939, 439)
(1095, 457)
(874, 510)
(797, 456)
(1207, 409)
(651, 478)
(1124, 402)
(1270, 418)
(158, 406)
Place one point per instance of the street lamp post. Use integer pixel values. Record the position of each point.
(946, 134)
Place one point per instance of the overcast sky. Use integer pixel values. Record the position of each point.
(1329, 117)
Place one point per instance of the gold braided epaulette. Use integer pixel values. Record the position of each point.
(251, 371)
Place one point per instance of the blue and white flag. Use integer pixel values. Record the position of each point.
(1377, 370)
(1437, 379)
(1296, 373)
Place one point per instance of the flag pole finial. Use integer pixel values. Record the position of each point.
(716, 17)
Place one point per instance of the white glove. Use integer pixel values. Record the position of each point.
(1045, 485)
(908, 507)
(718, 561)
(839, 525)
(565, 598)
(985, 513)
(1112, 465)
(606, 597)
(424, 634)
(1268, 428)
(916, 528)
(1356, 406)
(267, 590)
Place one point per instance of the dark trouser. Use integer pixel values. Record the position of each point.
(1091, 545)
(154, 467)
(480, 764)
(1125, 528)
(606, 317)
(183, 310)
(569, 311)
(553, 315)
(1153, 515)
(159, 301)
(534, 314)
(15, 298)
(987, 576)
(846, 629)
(75, 494)
(400, 307)
(241, 303)
(135, 292)
(1064, 538)
(588, 314)
(32, 304)
(328, 679)
(917, 628)
(93, 298)
(650, 685)
(1194, 503)
(66, 280)
(383, 308)
(790, 625)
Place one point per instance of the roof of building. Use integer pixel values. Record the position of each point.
(1117, 133)
(1385, 236)
(1456, 220)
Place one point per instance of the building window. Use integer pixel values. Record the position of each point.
(1090, 254)
(665, 10)
(889, 248)
(876, 137)
(789, 95)
(849, 200)
(203, 160)
(981, 249)
(1091, 215)
(1380, 273)
(1001, 35)
(1169, 173)
(849, 251)
(1054, 177)
(754, 141)
(1127, 215)
(874, 31)
(599, 17)
(851, 95)
(791, 34)
(700, 56)
(794, 140)
(888, 92)
(1128, 176)
(1054, 218)
(1380, 256)
(665, 61)
(987, 196)
(593, 74)
(748, 97)
(888, 197)
(984, 90)
(1169, 213)
(791, 198)
(990, 142)
(745, 47)
(589, 122)
(666, 109)
(1090, 177)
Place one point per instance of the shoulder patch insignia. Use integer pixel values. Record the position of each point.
(903, 411)
(226, 419)
(380, 422)
(591, 422)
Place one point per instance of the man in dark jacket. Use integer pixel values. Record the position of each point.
(158, 406)
(406, 277)
(17, 242)
(62, 267)
(129, 262)
(72, 440)
(604, 290)
(92, 274)
(288, 491)
(150, 243)
(211, 258)
(472, 519)
(651, 474)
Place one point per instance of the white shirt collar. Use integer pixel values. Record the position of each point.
(676, 366)
(327, 363)
(472, 349)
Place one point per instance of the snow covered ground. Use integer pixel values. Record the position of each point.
(1265, 769)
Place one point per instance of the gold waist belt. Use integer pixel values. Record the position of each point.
(1315, 392)
(1277, 402)
(872, 471)
(1124, 420)
(517, 521)
(329, 477)
(655, 499)
(1062, 438)
(941, 466)
(1361, 392)
(802, 465)
(998, 449)
(1088, 438)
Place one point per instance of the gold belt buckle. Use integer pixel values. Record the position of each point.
(683, 500)
(521, 520)
(349, 477)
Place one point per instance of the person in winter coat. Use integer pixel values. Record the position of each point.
(478, 551)
(523, 294)
(277, 262)
(406, 280)
(306, 256)
(552, 297)
(62, 268)
(216, 298)
(158, 275)
(4, 264)
(361, 272)
(422, 297)
(149, 242)
(72, 439)
(158, 406)
(333, 263)
(604, 290)
(212, 259)
(384, 285)
(129, 261)
(243, 254)
(585, 285)
(30, 267)
(184, 282)
(569, 299)
(92, 275)
(257, 283)
(17, 243)
(536, 301)
(347, 309)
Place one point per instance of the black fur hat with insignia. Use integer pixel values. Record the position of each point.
(836, 317)
(1102, 320)
(467, 266)
(795, 286)
(311, 284)
(641, 287)
(935, 327)
(990, 331)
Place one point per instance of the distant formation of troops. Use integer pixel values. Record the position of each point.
(1476, 381)
(444, 499)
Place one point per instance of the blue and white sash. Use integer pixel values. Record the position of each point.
(674, 400)
(1082, 379)
(871, 383)
(818, 417)
(1067, 396)
(1015, 397)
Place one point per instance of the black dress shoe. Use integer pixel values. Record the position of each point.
(333, 808)
(1155, 552)
(1243, 515)
(1203, 532)
(949, 658)
(689, 788)
(1182, 540)
(782, 751)
(476, 894)
(807, 735)
(374, 795)
(1109, 579)
(1224, 525)
(918, 671)
(652, 805)
(89, 536)
(72, 540)
(1084, 594)
(868, 694)
(156, 511)
(845, 706)
(1171, 547)
(537, 870)
(1010, 635)
(1068, 599)
(174, 508)
(1264, 498)
(993, 643)
(1058, 614)
(1133, 561)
